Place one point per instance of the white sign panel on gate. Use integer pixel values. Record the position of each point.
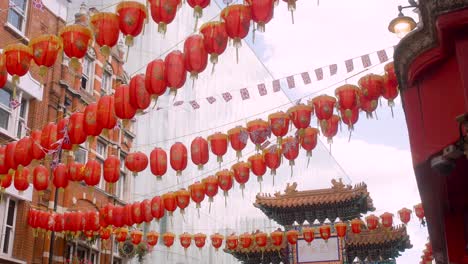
(318, 251)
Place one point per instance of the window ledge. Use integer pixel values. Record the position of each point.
(11, 260)
(15, 31)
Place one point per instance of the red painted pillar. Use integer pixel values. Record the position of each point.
(462, 59)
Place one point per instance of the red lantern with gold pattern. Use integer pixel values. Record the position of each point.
(348, 97)
(170, 202)
(199, 152)
(76, 39)
(182, 199)
(122, 106)
(106, 31)
(368, 106)
(245, 240)
(145, 209)
(258, 166)
(259, 130)
(40, 178)
(3, 164)
(92, 221)
(175, 74)
(121, 234)
(405, 215)
(308, 233)
(136, 162)
(178, 156)
(372, 222)
(219, 144)
(198, 6)
(277, 238)
(350, 117)
(387, 219)
(111, 169)
(49, 136)
(119, 216)
(60, 179)
(21, 180)
(262, 12)
(237, 19)
(155, 82)
(137, 215)
(261, 239)
(241, 172)
(279, 124)
(238, 137)
(10, 155)
(106, 116)
(300, 115)
(105, 233)
(36, 151)
(195, 55)
(23, 151)
(272, 157)
(76, 132)
(136, 236)
(308, 140)
(168, 239)
(330, 127)
(158, 162)
(232, 242)
(132, 16)
(106, 215)
(76, 171)
(211, 188)
(127, 215)
(292, 236)
(323, 105)
(185, 240)
(419, 211)
(215, 39)
(325, 232)
(290, 149)
(225, 182)
(6, 180)
(371, 86)
(197, 193)
(217, 240)
(356, 225)
(390, 84)
(139, 97)
(45, 49)
(59, 223)
(17, 61)
(200, 240)
(90, 125)
(341, 229)
(157, 207)
(3, 71)
(152, 238)
(163, 12)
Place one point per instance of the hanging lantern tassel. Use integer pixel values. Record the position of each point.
(220, 160)
(105, 51)
(162, 27)
(253, 32)
(273, 174)
(74, 65)
(197, 13)
(260, 179)
(291, 163)
(214, 61)
(391, 104)
(292, 8)
(237, 42)
(238, 154)
(225, 198)
(210, 202)
(309, 155)
(242, 186)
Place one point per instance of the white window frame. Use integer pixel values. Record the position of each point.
(89, 75)
(6, 203)
(106, 83)
(22, 13)
(101, 158)
(15, 120)
(120, 186)
(83, 147)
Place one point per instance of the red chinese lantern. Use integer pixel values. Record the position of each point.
(325, 232)
(137, 215)
(232, 241)
(323, 105)
(158, 162)
(32, 218)
(157, 207)
(89, 234)
(92, 221)
(178, 156)
(75, 128)
(106, 214)
(122, 106)
(277, 238)
(340, 229)
(3, 165)
(146, 210)
(219, 144)
(106, 116)
(241, 172)
(140, 98)
(197, 192)
(356, 226)
(106, 31)
(387, 219)
(215, 39)
(300, 116)
(291, 8)
(168, 239)
(371, 86)
(49, 136)
(272, 157)
(36, 150)
(90, 125)
(200, 240)
(62, 134)
(195, 55)
(390, 84)
(419, 211)
(258, 166)
(23, 151)
(119, 215)
(290, 149)
(237, 19)
(105, 233)
(262, 12)
(5, 181)
(21, 180)
(330, 127)
(308, 140)
(127, 216)
(10, 155)
(185, 240)
(405, 215)
(76, 39)
(372, 222)
(60, 179)
(152, 238)
(43, 220)
(259, 130)
(245, 240)
(198, 6)
(121, 234)
(182, 199)
(111, 169)
(211, 188)
(292, 236)
(136, 162)
(45, 50)
(76, 171)
(136, 236)
(199, 152)
(308, 233)
(225, 182)
(348, 97)
(17, 61)
(3, 71)
(132, 16)
(175, 74)
(217, 241)
(155, 82)
(350, 118)
(279, 123)
(163, 12)
(238, 137)
(59, 223)
(170, 203)
(261, 240)
(40, 178)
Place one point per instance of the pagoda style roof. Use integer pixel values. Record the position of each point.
(343, 201)
(254, 255)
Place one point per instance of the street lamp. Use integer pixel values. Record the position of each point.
(402, 25)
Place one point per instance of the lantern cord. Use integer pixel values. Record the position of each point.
(391, 109)
(209, 208)
(308, 162)
(292, 16)
(213, 69)
(349, 137)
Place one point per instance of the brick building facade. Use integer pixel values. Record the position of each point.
(61, 94)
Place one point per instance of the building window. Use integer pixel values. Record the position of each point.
(17, 14)
(87, 74)
(8, 206)
(13, 121)
(81, 154)
(106, 85)
(101, 154)
(119, 188)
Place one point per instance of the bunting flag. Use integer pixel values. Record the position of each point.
(349, 66)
